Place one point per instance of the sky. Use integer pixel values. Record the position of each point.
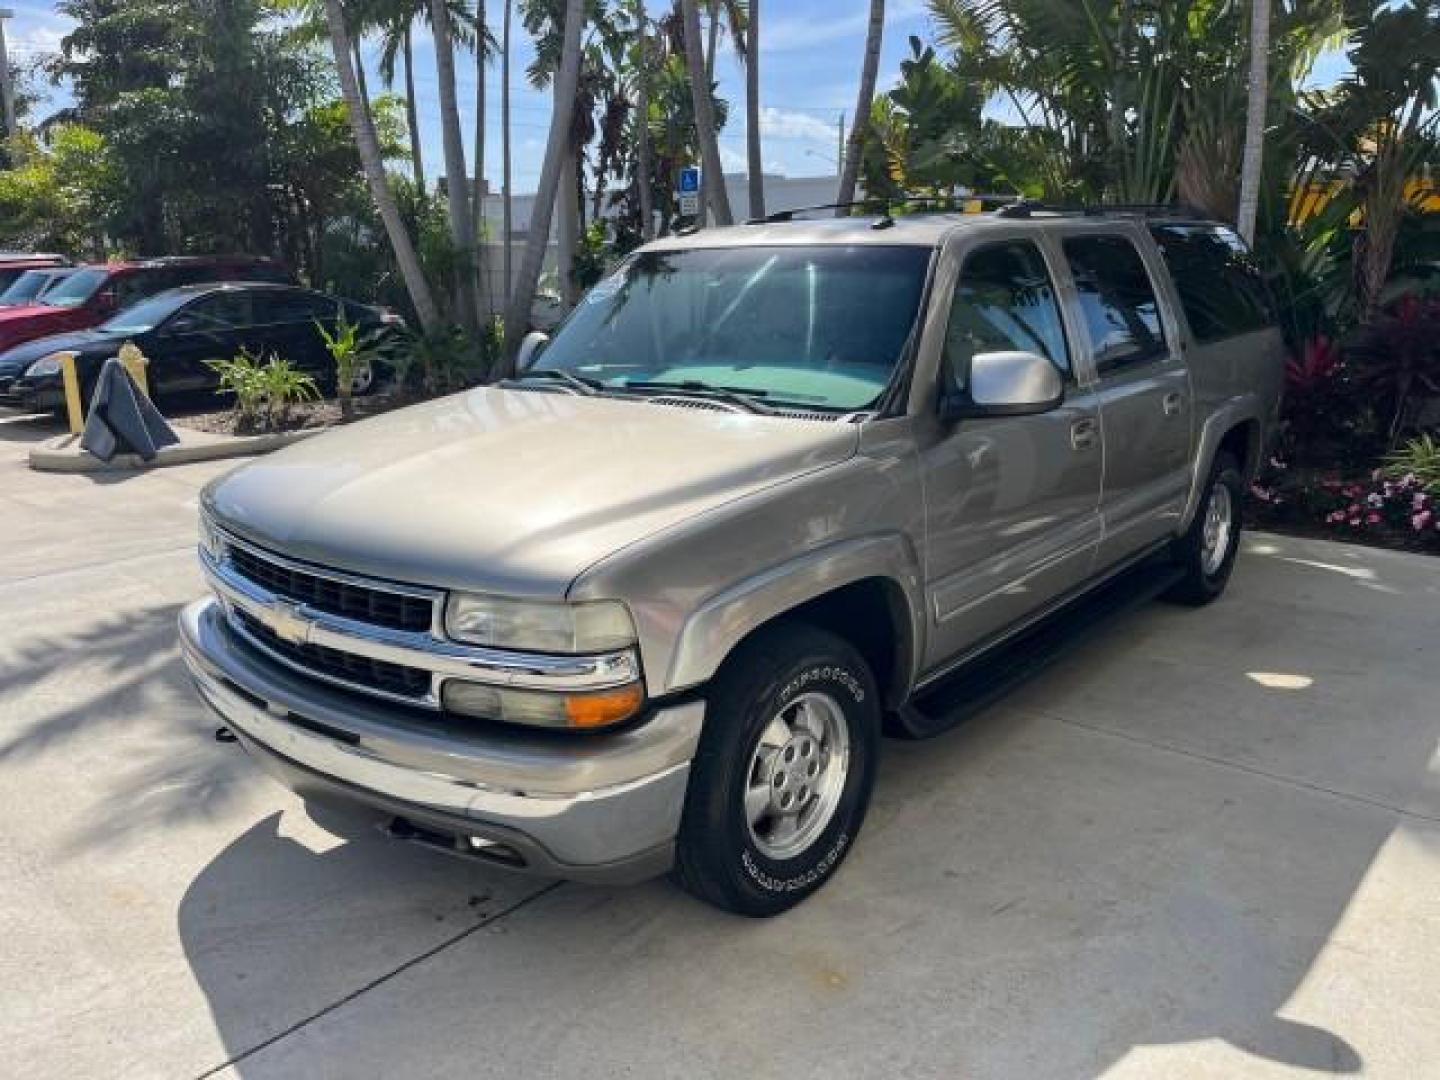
(810, 57)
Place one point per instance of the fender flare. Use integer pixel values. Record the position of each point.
(714, 628)
(1244, 409)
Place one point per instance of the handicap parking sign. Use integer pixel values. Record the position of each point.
(689, 180)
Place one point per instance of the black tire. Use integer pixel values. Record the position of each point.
(1205, 580)
(718, 856)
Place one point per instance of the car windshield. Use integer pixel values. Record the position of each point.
(146, 315)
(77, 288)
(816, 327)
(26, 287)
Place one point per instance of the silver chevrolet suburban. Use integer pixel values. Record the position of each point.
(649, 603)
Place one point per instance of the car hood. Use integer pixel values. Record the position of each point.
(511, 491)
(16, 359)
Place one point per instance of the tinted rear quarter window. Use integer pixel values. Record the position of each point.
(1220, 287)
(1117, 301)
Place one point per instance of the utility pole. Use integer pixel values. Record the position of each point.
(7, 91)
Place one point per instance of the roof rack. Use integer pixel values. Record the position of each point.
(882, 205)
(1030, 207)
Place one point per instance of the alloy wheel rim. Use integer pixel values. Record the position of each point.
(1218, 529)
(797, 775)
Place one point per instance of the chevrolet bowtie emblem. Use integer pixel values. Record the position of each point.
(286, 622)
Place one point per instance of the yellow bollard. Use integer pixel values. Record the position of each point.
(135, 363)
(74, 410)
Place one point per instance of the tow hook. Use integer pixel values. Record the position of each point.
(224, 735)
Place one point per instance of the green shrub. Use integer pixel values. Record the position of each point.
(264, 391)
(1420, 457)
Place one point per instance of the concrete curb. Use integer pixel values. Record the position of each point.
(63, 453)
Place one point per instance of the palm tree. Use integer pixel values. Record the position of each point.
(567, 81)
(753, 164)
(1253, 159)
(363, 126)
(506, 178)
(396, 44)
(701, 91)
(642, 127)
(858, 129)
(462, 228)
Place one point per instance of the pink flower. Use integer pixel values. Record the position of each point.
(1374, 500)
(1419, 501)
(1421, 520)
(1372, 518)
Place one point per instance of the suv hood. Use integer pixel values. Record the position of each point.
(510, 491)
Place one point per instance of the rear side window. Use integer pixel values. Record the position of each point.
(1220, 288)
(280, 306)
(1004, 302)
(1117, 301)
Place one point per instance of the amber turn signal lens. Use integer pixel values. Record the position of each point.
(603, 709)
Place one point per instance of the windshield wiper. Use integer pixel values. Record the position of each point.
(579, 383)
(745, 399)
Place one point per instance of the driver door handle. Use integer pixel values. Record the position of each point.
(1084, 434)
(1171, 403)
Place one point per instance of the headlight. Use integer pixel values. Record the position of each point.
(47, 365)
(539, 708)
(538, 626)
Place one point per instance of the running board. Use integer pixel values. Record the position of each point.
(981, 682)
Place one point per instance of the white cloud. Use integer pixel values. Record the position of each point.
(797, 33)
(788, 124)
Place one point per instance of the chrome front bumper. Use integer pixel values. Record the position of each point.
(593, 807)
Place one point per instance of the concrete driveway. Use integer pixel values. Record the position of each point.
(1205, 845)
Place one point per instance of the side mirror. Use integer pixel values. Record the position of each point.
(1007, 384)
(530, 348)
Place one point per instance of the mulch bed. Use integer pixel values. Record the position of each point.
(301, 417)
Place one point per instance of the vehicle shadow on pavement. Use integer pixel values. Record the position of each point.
(1040, 893)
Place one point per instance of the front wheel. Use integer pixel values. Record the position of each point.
(782, 779)
(1206, 553)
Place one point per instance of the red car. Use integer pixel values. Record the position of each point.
(93, 293)
(15, 263)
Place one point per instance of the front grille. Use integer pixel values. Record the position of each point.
(396, 611)
(362, 671)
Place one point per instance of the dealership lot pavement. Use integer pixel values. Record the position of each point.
(1207, 844)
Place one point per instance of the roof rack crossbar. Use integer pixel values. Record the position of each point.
(1029, 207)
(884, 204)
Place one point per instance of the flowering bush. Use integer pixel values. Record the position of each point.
(1401, 503)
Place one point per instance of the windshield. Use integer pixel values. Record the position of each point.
(26, 287)
(144, 316)
(818, 327)
(77, 288)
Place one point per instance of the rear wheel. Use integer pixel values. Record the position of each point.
(782, 779)
(1206, 553)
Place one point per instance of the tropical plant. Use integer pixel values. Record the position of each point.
(264, 389)
(1420, 458)
(373, 164)
(1377, 130)
(347, 354)
(1396, 357)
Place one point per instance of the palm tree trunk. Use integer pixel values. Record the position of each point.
(360, 79)
(856, 144)
(412, 116)
(477, 210)
(1253, 161)
(753, 163)
(567, 229)
(363, 126)
(643, 164)
(712, 40)
(505, 177)
(462, 230)
(567, 81)
(701, 94)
